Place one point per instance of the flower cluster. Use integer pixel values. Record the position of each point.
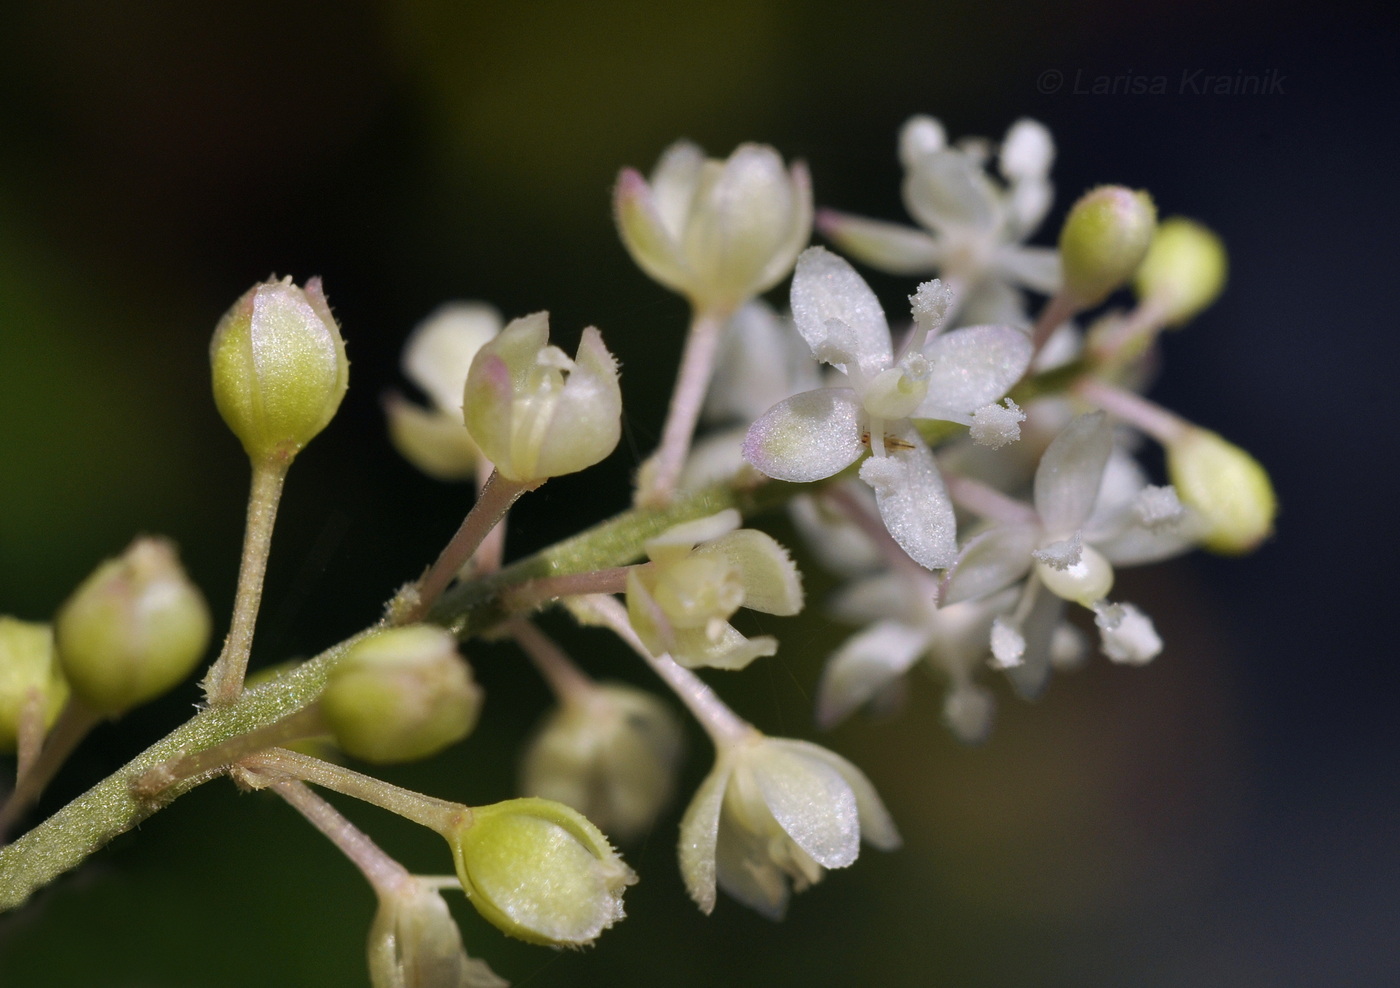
(970, 473)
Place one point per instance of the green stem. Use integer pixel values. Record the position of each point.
(225, 680)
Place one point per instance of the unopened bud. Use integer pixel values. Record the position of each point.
(279, 368)
(401, 695)
(1104, 239)
(534, 412)
(1228, 489)
(1184, 270)
(28, 674)
(133, 629)
(610, 754)
(540, 871)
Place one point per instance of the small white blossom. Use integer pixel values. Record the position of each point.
(772, 816)
(415, 943)
(974, 226)
(816, 434)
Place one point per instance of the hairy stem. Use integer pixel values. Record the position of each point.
(224, 682)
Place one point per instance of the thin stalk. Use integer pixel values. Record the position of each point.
(692, 381)
(725, 728)
(29, 732)
(1129, 336)
(988, 502)
(530, 595)
(496, 497)
(224, 682)
(492, 552)
(1059, 310)
(874, 529)
(305, 723)
(566, 680)
(278, 764)
(73, 724)
(380, 870)
(1162, 425)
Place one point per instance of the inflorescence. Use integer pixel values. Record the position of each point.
(968, 470)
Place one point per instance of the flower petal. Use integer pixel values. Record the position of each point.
(673, 184)
(810, 436)
(1070, 472)
(863, 666)
(700, 832)
(1037, 268)
(913, 503)
(435, 442)
(587, 422)
(645, 235)
(827, 288)
(989, 562)
(771, 581)
(890, 247)
(809, 799)
(947, 192)
(876, 825)
(972, 367)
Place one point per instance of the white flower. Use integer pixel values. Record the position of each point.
(816, 434)
(437, 358)
(974, 226)
(718, 232)
(1085, 520)
(534, 412)
(775, 813)
(700, 573)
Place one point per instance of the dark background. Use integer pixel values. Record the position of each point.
(1226, 816)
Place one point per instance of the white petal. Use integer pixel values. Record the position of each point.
(990, 561)
(876, 825)
(884, 595)
(968, 710)
(439, 354)
(1037, 268)
(809, 799)
(700, 832)
(1070, 472)
(771, 581)
(694, 648)
(1139, 546)
(746, 871)
(913, 503)
(587, 422)
(673, 185)
(826, 288)
(808, 437)
(435, 442)
(889, 247)
(838, 543)
(949, 194)
(972, 367)
(863, 666)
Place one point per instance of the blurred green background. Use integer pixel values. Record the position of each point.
(1225, 816)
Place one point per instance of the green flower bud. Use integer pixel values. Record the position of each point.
(1104, 239)
(27, 667)
(279, 368)
(133, 629)
(1184, 270)
(611, 754)
(540, 871)
(1226, 487)
(401, 695)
